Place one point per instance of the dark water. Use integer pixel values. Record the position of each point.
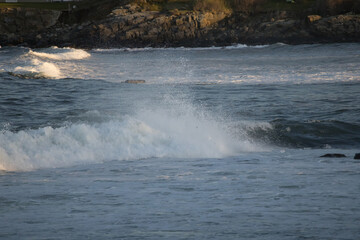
(217, 144)
(297, 115)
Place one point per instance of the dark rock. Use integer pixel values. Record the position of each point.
(333, 155)
(135, 81)
(357, 156)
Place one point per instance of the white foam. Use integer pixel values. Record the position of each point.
(181, 132)
(38, 69)
(236, 46)
(41, 64)
(60, 54)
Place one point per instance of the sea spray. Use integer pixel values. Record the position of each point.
(181, 131)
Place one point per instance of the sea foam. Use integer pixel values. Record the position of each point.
(146, 134)
(47, 63)
(37, 69)
(236, 46)
(60, 54)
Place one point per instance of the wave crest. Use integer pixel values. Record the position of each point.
(37, 69)
(61, 54)
(147, 134)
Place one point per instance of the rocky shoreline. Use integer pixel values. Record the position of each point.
(133, 26)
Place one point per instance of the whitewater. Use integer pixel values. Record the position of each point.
(217, 143)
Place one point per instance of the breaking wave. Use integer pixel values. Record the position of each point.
(47, 63)
(147, 134)
(37, 69)
(61, 54)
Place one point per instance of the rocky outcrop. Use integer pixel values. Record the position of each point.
(336, 28)
(17, 23)
(133, 26)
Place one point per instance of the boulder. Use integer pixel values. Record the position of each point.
(357, 156)
(313, 18)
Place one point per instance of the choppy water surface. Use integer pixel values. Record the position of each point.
(219, 143)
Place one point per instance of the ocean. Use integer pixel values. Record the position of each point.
(218, 143)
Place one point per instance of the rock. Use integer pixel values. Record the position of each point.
(357, 156)
(208, 19)
(105, 31)
(119, 12)
(135, 81)
(313, 18)
(333, 155)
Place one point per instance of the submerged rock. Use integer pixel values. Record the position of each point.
(135, 81)
(333, 155)
(357, 156)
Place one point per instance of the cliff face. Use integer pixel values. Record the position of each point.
(132, 26)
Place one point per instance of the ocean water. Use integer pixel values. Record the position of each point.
(218, 143)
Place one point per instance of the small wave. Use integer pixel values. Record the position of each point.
(237, 46)
(55, 53)
(37, 69)
(307, 134)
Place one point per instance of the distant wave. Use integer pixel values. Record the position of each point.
(60, 54)
(46, 63)
(37, 69)
(237, 46)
